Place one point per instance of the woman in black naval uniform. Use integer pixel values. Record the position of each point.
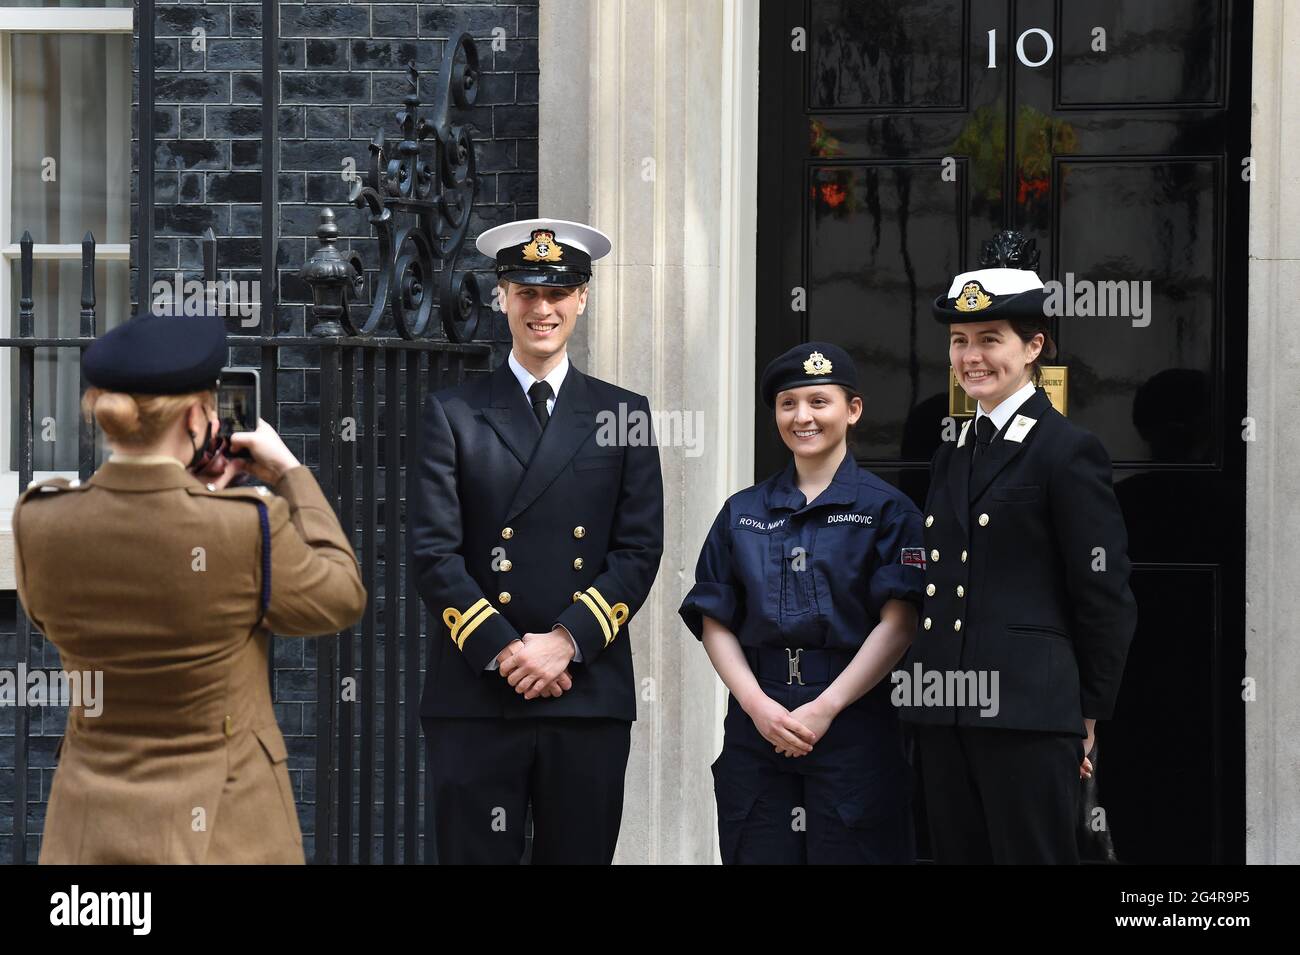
(1027, 588)
(805, 597)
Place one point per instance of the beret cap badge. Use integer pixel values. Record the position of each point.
(973, 298)
(543, 247)
(817, 364)
(806, 365)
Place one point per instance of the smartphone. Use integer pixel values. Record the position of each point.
(237, 403)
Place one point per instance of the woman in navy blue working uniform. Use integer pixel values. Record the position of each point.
(805, 597)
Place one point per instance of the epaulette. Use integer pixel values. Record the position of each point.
(52, 486)
(257, 493)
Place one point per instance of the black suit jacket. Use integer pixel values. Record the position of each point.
(515, 529)
(1036, 543)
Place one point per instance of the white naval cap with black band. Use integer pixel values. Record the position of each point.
(544, 251)
(1006, 287)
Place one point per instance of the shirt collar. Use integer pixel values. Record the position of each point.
(1003, 412)
(843, 488)
(136, 475)
(121, 457)
(526, 380)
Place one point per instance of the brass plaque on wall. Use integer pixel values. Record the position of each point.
(1056, 379)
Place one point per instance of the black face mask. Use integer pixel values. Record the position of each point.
(204, 452)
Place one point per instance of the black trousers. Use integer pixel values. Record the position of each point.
(848, 802)
(1000, 796)
(485, 772)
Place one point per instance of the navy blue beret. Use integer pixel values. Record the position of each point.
(159, 355)
(812, 363)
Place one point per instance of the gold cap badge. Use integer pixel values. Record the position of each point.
(973, 298)
(817, 364)
(543, 247)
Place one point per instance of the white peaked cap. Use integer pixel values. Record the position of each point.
(592, 241)
(998, 281)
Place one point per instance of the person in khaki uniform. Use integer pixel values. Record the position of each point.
(159, 579)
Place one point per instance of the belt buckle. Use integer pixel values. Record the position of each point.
(794, 673)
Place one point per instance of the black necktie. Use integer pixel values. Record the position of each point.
(984, 432)
(539, 394)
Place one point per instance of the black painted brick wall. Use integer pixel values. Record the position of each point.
(341, 78)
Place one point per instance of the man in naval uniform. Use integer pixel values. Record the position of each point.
(535, 539)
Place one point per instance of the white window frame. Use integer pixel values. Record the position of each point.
(34, 20)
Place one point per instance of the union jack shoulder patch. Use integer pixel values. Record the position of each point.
(912, 557)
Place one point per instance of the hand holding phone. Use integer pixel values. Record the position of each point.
(238, 406)
(266, 457)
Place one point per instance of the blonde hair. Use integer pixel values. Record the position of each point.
(135, 420)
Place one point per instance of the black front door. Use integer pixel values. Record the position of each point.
(1115, 134)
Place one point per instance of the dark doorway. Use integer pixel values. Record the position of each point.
(1126, 164)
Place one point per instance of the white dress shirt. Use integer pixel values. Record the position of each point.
(1003, 412)
(555, 379)
(526, 380)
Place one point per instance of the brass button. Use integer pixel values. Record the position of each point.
(579, 532)
(956, 625)
(984, 520)
(577, 563)
(929, 590)
(929, 520)
(504, 596)
(963, 557)
(228, 726)
(928, 623)
(961, 591)
(576, 595)
(507, 533)
(506, 565)
(934, 556)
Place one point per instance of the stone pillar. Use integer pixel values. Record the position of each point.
(648, 130)
(1272, 478)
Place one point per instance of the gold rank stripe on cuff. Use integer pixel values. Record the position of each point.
(609, 618)
(617, 614)
(600, 617)
(463, 624)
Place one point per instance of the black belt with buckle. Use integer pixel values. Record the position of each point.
(797, 666)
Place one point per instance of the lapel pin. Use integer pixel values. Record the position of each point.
(1019, 427)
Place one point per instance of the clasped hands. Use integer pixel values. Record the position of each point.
(538, 664)
(791, 732)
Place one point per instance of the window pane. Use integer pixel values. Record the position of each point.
(71, 136)
(56, 294)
